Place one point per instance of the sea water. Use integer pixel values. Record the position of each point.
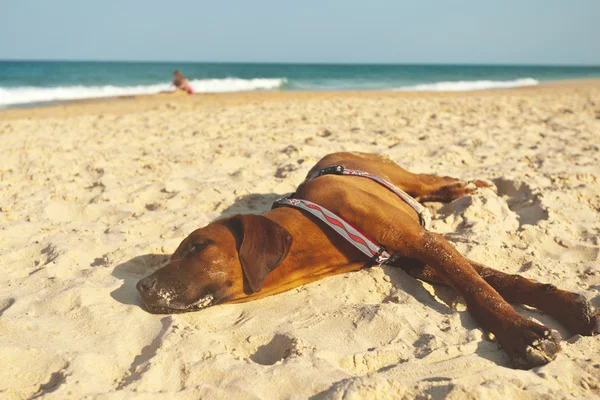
(27, 82)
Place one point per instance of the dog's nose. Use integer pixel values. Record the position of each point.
(146, 285)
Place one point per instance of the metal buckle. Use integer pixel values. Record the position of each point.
(425, 218)
(332, 170)
(277, 203)
(376, 259)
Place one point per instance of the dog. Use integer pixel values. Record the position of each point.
(246, 257)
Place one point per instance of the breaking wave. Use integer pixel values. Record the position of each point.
(468, 85)
(31, 94)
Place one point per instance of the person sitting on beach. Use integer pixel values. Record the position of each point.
(182, 83)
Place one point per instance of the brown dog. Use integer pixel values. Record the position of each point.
(246, 257)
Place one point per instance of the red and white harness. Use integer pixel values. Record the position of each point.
(352, 234)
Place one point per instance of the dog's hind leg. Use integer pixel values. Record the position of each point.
(429, 188)
(452, 189)
(570, 309)
(423, 187)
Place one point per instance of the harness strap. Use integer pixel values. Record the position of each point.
(362, 242)
(353, 235)
(422, 212)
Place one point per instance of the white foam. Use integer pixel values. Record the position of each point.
(236, 85)
(468, 85)
(24, 95)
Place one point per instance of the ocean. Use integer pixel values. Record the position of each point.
(33, 82)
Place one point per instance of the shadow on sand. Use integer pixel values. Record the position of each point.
(254, 203)
(131, 272)
(440, 301)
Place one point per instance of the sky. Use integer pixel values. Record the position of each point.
(325, 31)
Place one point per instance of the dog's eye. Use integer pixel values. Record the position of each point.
(196, 247)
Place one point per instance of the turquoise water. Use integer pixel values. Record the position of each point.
(23, 82)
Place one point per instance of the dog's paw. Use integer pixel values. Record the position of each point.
(572, 310)
(484, 184)
(581, 318)
(530, 344)
(594, 325)
(454, 190)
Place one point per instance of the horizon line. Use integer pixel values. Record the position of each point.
(474, 64)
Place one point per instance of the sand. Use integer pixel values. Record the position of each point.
(96, 195)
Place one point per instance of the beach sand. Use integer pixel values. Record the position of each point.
(96, 195)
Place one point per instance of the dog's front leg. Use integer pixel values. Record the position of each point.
(528, 343)
(570, 309)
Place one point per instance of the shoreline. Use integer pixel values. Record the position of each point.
(122, 104)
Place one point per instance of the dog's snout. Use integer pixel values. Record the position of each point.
(146, 285)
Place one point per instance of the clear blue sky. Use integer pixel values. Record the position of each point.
(390, 31)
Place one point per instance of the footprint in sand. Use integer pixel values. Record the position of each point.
(5, 304)
(523, 200)
(278, 348)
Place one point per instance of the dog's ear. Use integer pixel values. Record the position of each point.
(264, 245)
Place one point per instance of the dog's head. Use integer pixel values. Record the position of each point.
(226, 260)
